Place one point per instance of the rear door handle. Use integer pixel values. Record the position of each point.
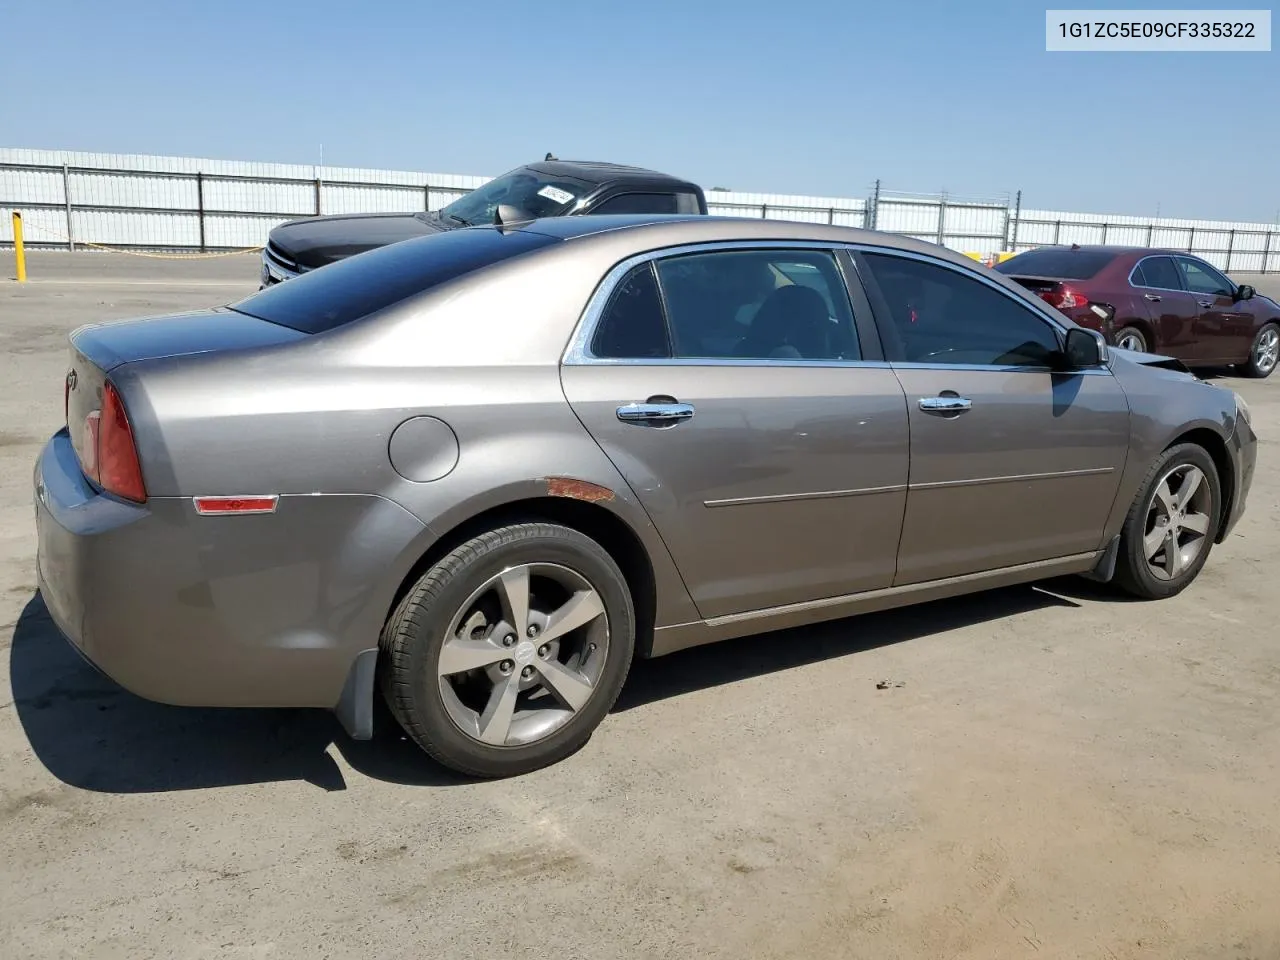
(655, 413)
(945, 404)
(1205, 303)
(1151, 296)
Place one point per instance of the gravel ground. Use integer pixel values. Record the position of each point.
(1059, 774)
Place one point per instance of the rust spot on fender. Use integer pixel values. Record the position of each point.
(578, 490)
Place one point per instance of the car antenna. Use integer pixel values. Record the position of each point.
(1075, 246)
(549, 156)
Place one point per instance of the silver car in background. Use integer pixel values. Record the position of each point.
(482, 470)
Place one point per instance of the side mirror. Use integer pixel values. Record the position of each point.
(1084, 349)
(1245, 292)
(507, 213)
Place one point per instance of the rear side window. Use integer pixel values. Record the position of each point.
(638, 203)
(1056, 263)
(632, 326)
(349, 289)
(1157, 272)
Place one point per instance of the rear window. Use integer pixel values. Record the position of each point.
(1057, 264)
(349, 289)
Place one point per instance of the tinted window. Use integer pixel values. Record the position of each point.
(358, 286)
(1058, 263)
(1158, 272)
(758, 305)
(1138, 277)
(632, 326)
(687, 203)
(941, 316)
(638, 203)
(1202, 278)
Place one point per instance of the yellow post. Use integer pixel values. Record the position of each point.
(17, 247)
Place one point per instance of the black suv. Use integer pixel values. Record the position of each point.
(552, 188)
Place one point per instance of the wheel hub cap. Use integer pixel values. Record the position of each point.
(1267, 350)
(1178, 522)
(509, 691)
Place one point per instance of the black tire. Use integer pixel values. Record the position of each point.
(1136, 334)
(1132, 573)
(415, 633)
(1254, 367)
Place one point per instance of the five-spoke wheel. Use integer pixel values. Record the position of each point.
(523, 654)
(1171, 526)
(510, 650)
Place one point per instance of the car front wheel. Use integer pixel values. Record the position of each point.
(507, 654)
(1169, 531)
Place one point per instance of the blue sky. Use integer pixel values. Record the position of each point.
(800, 97)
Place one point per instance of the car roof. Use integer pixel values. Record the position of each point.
(1113, 249)
(651, 231)
(599, 171)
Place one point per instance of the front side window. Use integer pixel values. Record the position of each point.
(939, 315)
(758, 305)
(1158, 272)
(536, 194)
(1202, 278)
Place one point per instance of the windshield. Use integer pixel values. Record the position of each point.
(536, 194)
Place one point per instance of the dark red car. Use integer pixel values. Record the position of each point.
(1156, 301)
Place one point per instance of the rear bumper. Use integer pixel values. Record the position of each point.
(257, 610)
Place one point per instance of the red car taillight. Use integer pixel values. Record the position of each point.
(110, 457)
(1064, 297)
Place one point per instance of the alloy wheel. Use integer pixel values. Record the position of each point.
(1131, 341)
(524, 654)
(1178, 521)
(1267, 350)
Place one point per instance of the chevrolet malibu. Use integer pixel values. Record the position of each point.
(479, 472)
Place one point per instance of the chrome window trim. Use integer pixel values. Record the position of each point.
(576, 353)
(1140, 286)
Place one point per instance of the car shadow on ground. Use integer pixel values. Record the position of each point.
(92, 734)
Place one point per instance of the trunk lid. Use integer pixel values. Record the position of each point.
(108, 345)
(99, 348)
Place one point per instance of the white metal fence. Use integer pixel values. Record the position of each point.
(167, 203)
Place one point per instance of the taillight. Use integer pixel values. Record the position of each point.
(1064, 297)
(110, 456)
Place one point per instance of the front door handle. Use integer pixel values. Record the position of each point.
(1152, 297)
(1205, 303)
(655, 413)
(945, 404)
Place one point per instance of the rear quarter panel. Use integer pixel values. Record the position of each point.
(317, 417)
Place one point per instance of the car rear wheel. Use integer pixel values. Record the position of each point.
(506, 655)
(1264, 353)
(1131, 338)
(1171, 526)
